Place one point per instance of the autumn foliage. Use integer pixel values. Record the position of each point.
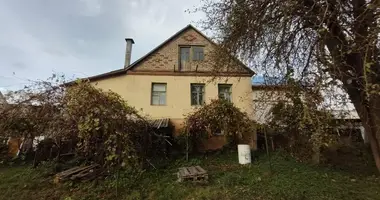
(102, 127)
(222, 117)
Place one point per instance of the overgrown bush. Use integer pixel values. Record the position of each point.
(30, 112)
(110, 132)
(305, 127)
(101, 126)
(219, 116)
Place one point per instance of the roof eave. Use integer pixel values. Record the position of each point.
(113, 73)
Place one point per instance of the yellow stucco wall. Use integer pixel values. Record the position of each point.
(136, 89)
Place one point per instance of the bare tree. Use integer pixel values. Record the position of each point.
(321, 43)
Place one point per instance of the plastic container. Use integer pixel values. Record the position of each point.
(244, 153)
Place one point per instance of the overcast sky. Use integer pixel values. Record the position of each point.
(81, 38)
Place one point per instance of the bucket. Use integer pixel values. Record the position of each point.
(244, 153)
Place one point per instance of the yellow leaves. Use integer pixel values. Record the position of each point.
(367, 66)
(111, 157)
(106, 124)
(101, 124)
(219, 117)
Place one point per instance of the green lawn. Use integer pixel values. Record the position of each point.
(227, 180)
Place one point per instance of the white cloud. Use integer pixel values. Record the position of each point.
(91, 7)
(81, 37)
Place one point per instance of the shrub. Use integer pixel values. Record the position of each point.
(110, 132)
(305, 127)
(219, 116)
(101, 126)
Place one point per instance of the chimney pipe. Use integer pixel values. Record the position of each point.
(128, 51)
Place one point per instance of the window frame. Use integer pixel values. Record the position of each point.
(180, 68)
(193, 56)
(230, 91)
(203, 90)
(191, 59)
(151, 93)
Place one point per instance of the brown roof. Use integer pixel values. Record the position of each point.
(124, 70)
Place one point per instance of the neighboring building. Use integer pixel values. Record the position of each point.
(176, 77)
(266, 92)
(264, 98)
(350, 125)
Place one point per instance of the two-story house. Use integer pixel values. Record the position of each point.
(176, 77)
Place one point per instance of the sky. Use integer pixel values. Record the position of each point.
(81, 38)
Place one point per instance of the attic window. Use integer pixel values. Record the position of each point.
(184, 57)
(187, 54)
(198, 54)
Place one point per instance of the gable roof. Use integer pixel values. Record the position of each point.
(124, 70)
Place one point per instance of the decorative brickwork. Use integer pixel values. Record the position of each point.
(167, 57)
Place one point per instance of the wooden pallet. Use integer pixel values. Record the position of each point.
(193, 173)
(76, 173)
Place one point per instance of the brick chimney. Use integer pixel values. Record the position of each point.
(128, 51)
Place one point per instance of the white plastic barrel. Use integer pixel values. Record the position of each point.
(244, 153)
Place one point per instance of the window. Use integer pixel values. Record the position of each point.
(184, 57)
(198, 53)
(197, 94)
(158, 94)
(224, 92)
(188, 54)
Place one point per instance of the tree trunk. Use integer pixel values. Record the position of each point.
(370, 115)
(366, 105)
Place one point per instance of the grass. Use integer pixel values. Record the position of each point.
(227, 180)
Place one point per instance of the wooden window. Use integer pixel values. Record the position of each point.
(197, 94)
(158, 94)
(198, 54)
(184, 57)
(187, 54)
(224, 92)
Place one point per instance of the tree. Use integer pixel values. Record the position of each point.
(306, 127)
(321, 43)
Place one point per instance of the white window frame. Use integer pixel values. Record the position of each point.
(223, 93)
(197, 93)
(159, 94)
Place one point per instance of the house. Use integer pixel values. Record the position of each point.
(176, 77)
(350, 126)
(266, 92)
